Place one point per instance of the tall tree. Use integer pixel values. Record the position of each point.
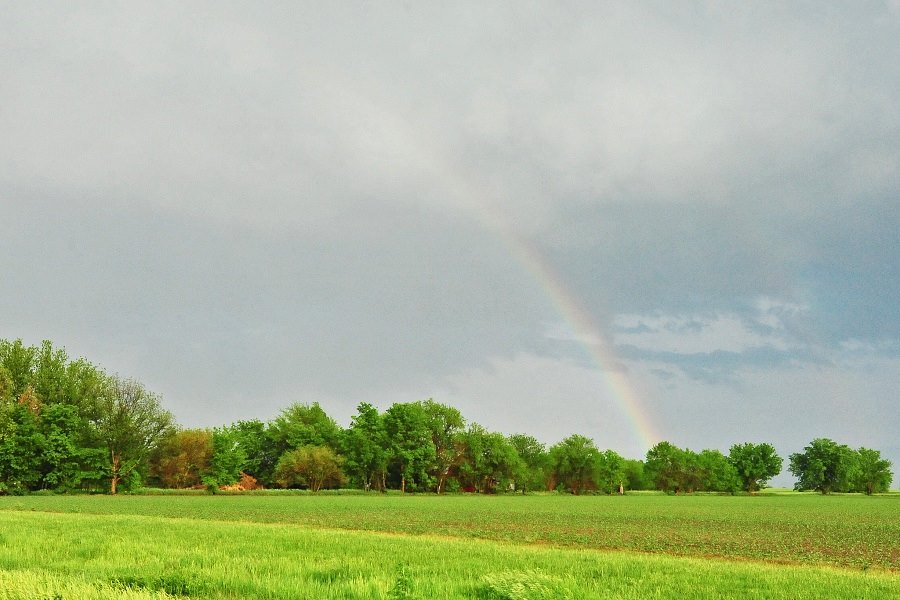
(610, 471)
(228, 457)
(410, 447)
(182, 459)
(6, 384)
(50, 375)
(667, 466)
(313, 466)
(68, 459)
(444, 422)
(873, 473)
(532, 468)
(129, 422)
(824, 466)
(716, 473)
(261, 449)
(365, 448)
(756, 464)
(304, 425)
(487, 459)
(635, 479)
(18, 361)
(21, 445)
(574, 461)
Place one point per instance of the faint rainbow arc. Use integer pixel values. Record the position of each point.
(531, 259)
(586, 332)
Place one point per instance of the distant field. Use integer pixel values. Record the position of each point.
(422, 547)
(843, 531)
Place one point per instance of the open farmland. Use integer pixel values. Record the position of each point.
(376, 546)
(841, 531)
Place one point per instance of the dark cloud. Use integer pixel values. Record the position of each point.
(246, 206)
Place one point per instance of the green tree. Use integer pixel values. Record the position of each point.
(444, 422)
(755, 464)
(21, 446)
(410, 447)
(873, 473)
(304, 425)
(668, 467)
(635, 479)
(129, 422)
(716, 473)
(228, 457)
(532, 468)
(18, 361)
(824, 466)
(313, 466)
(487, 460)
(260, 448)
(67, 460)
(50, 374)
(610, 472)
(6, 384)
(574, 461)
(365, 448)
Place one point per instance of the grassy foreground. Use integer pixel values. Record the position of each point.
(374, 546)
(842, 531)
(45, 556)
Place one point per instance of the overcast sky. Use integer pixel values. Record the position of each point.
(247, 205)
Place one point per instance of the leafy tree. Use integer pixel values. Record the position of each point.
(755, 464)
(824, 466)
(410, 448)
(304, 425)
(50, 375)
(129, 423)
(228, 457)
(574, 463)
(313, 466)
(365, 448)
(260, 448)
(182, 459)
(18, 361)
(610, 472)
(487, 460)
(67, 459)
(635, 479)
(532, 468)
(444, 422)
(692, 471)
(873, 473)
(668, 466)
(83, 384)
(21, 447)
(716, 473)
(6, 384)
(56, 433)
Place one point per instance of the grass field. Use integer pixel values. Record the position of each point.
(449, 547)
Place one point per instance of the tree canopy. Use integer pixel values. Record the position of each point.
(826, 466)
(67, 425)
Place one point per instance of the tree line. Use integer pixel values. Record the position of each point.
(66, 425)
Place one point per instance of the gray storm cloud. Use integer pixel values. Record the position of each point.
(246, 206)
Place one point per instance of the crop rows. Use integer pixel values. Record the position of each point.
(854, 532)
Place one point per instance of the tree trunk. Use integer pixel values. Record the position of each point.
(403, 484)
(116, 466)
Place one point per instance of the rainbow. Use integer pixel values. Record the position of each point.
(470, 197)
(582, 324)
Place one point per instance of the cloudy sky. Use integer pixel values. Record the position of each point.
(635, 221)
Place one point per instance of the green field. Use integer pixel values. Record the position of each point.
(377, 546)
